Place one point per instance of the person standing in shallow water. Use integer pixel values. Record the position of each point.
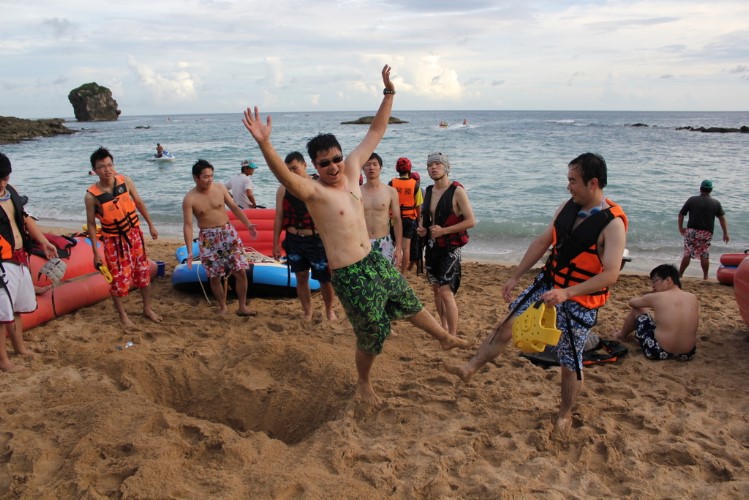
(113, 199)
(587, 236)
(702, 211)
(371, 290)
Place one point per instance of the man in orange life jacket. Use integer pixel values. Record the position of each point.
(409, 196)
(445, 218)
(303, 246)
(114, 201)
(587, 236)
(17, 296)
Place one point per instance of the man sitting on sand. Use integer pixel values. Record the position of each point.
(114, 201)
(664, 321)
(305, 252)
(371, 290)
(381, 205)
(220, 248)
(587, 237)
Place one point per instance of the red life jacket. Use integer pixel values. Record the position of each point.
(295, 213)
(7, 241)
(444, 217)
(407, 189)
(574, 255)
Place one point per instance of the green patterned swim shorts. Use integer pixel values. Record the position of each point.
(373, 293)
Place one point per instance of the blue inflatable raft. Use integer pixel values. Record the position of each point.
(265, 279)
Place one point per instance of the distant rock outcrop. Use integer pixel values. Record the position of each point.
(93, 103)
(367, 120)
(717, 130)
(14, 129)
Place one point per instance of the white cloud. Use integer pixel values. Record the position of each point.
(173, 56)
(178, 86)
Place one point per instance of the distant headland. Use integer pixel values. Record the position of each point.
(367, 120)
(14, 129)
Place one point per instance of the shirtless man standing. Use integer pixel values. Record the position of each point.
(371, 291)
(380, 205)
(220, 246)
(665, 321)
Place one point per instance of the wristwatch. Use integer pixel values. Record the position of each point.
(388, 91)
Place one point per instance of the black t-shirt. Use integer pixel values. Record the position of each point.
(702, 210)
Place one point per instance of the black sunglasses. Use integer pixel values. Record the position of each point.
(325, 163)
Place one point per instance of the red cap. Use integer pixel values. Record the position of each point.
(403, 166)
(415, 176)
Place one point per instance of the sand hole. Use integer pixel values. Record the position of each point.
(290, 411)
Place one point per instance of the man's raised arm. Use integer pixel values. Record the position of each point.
(359, 156)
(299, 187)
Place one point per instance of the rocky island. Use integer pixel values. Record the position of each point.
(366, 120)
(92, 102)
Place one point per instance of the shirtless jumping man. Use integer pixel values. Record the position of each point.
(371, 291)
(220, 247)
(665, 321)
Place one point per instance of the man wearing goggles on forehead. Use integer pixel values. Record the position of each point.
(371, 290)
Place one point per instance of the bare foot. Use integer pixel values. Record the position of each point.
(618, 336)
(222, 310)
(245, 313)
(126, 322)
(10, 367)
(367, 393)
(150, 314)
(332, 316)
(451, 342)
(562, 426)
(25, 352)
(462, 372)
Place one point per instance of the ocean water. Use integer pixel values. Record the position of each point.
(513, 164)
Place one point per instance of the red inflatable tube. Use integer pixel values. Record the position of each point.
(741, 289)
(733, 259)
(70, 296)
(80, 262)
(725, 274)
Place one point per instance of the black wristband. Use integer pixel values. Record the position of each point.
(388, 91)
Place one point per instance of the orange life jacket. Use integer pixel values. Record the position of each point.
(117, 209)
(407, 189)
(574, 255)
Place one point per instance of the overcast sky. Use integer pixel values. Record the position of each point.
(193, 56)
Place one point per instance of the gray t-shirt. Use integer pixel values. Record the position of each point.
(702, 210)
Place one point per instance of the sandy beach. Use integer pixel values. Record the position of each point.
(203, 406)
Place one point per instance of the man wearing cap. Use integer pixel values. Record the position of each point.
(702, 210)
(409, 196)
(445, 218)
(240, 185)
